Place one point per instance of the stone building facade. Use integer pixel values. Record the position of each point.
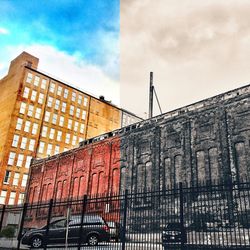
(206, 141)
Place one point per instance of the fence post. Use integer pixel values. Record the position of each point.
(182, 216)
(84, 205)
(124, 220)
(2, 216)
(21, 225)
(48, 222)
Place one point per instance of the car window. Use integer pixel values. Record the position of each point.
(58, 224)
(174, 226)
(88, 220)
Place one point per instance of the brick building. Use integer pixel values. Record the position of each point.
(208, 140)
(41, 116)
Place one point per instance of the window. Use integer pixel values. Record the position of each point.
(6, 179)
(66, 93)
(26, 92)
(32, 144)
(59, 136)
(41, 98)
(23, 143)
(61, 121)
(59, 90)
(63, 107)
(74, 140)
(38, 113)
(30, 110)
(54, 119)
(34, 128)
(29, 78)
(79, 99)
(52, 133)
(67, 139)
(57, 105)
(69, 123)
(44, 83)
(76, 126)
(20, 198)
(36, 81)
(11, 158)
(57, 149)
(84, 114)
(82, 128)
(73, 98)
(3, 196)
(78, 112)
(50, 101)
(41, 147)
(12, 198)
(24, 180)
(28, 161)
(22, 108)
(33, 95)
(16, 179)
(44, 131)
(85, 102)
(27, 126)
(49, 149)
(52, 87)
(47, 116)
(71, 111)
(15, 141)
(19, 124)
(20, 160)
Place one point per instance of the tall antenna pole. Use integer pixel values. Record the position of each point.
(151, 92)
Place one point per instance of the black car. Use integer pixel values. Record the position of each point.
(94, 230)
(172, 234)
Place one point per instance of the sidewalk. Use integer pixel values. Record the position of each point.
(6, 243)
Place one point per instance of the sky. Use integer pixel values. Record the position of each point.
(196, 49)
(77, 41)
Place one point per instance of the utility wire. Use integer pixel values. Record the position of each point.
(157, 100)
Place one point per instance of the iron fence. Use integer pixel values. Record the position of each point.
(204, 216)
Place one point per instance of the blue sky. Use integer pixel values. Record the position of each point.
(84, 33)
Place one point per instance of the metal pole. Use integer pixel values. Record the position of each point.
(124, 220)
(182, 216)
(151, 89)
(48, 222)
(21, 225)
(84, 205)
(2, 216)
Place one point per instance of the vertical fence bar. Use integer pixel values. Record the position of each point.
(47, 226)
(84, 205)
(124, 220)
(21, 225)
(182, 216)
(2, 216)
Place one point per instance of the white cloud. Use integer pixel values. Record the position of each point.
(4, 31)
(68, 68)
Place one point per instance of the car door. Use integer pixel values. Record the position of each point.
(57, 231)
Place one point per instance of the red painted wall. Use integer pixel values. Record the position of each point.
(91, 169)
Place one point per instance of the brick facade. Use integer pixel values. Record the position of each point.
(205, 141)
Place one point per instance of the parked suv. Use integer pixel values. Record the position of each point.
(94, 230)
(172, 234)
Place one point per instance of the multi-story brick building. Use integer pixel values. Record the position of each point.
(41, 116)
(202, 142)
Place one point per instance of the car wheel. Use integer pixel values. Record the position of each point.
(92, 240)
(36, 242)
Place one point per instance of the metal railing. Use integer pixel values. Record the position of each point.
(214, 216)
